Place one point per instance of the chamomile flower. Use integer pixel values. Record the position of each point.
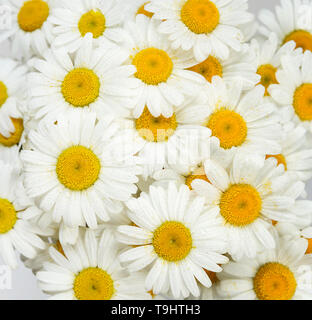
(74, 19)
(12, 98)
(294, 91)
(90, 270)
(78, 169)
(248, 196)
(30, 28)
(240, 66)
(240, 121)
(289, 23)
(135, 7)
(16, 233)
(176, 238)
(268, 58)
(206, 27)
(277, 274)
(164, 142)
(296, 154)
(94, 79)
(164, 82)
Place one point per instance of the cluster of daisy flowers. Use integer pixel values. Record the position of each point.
(157, 149)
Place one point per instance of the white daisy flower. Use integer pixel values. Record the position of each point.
(239, 66)
(79, 169)
(176, 237)
(15, 231)
(248, 196)
(164, 82)
(12, 99)
(240, 121)
(94, 78)
(294, 89)
(172, 142)
(30, 28)
(291, 22)
(296, 154)
(90, 270)
(74, 19)
(204, 26)
(268, 58)
(135, 7)
(283, 273)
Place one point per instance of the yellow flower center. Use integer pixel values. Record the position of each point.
(309, 249)
(155, 129)
(15, 136)
(32, 15)
(93, 284)
(268, 76)
(93, 22)
(172, 241)
(3, 93)
(81, 87)
(199, 173)
(280, 159)
(302, 38)
(229, 127)
(274, 281)
(240, 205)
(145, 12)
(303, 102)
(209, 68)
(154, 66)
(8, 216)
(200, 16)
(78, 168)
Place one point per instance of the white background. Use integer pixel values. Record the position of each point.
(24, 283)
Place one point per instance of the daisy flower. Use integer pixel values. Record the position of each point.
(90, 270)
(78, 169)
(176, 238)
(172, 142)
(296, 155)
(30, 29)
(164, 82)
(239, 66)
(289, 23)
(15, 231)
(203, 26)
(135, 7)
(93, 79)
(74, 19)
(240, 121)
(283, 273)
(294, 89)
(12, 97)
(268, 58)
(247, 197)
